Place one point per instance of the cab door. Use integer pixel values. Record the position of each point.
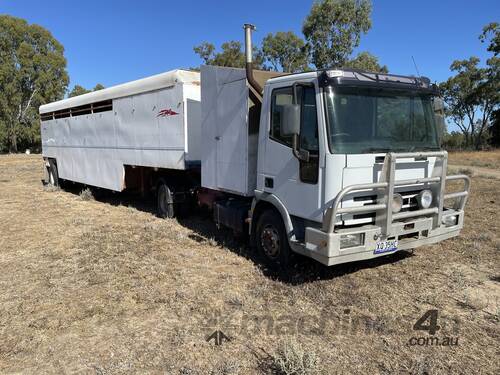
(297, 184)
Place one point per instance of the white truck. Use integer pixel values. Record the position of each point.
(337, 165)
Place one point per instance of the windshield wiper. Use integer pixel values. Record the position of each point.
(377, 149)
(424, 148)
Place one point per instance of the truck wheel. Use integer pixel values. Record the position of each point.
(165, 202)
(53, 174)
(271, 239)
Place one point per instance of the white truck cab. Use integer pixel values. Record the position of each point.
(351, 161)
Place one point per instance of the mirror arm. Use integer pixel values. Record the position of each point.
(302, 155)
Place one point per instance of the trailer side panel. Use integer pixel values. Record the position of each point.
(147, 129)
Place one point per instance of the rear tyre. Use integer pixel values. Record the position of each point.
(271, 239)
(53, 174)
(165, 202)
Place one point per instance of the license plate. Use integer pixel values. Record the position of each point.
(386, 246)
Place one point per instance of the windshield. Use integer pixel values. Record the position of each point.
(362, 120)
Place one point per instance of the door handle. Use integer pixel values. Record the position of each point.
(269, 182)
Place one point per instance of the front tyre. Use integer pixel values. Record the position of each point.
(271, 239)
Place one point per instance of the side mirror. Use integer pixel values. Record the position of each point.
(290, 120)
(290, 126)
(438, 104)
(439, 113)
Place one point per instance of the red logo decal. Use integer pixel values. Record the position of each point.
(166, 113)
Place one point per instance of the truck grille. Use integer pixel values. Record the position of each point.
(409, 203)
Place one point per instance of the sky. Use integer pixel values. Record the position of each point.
(112, 42)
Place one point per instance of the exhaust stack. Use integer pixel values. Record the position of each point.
(249, 59)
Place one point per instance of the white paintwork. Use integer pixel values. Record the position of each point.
(336, 170)
(297, 77)
(344, 170)
(276, 160)
(362, 169)
(229, 150)
(156, 82)
(94, 148)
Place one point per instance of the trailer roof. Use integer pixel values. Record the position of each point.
(151, 83)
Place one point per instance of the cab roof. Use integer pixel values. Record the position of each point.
(354, 77)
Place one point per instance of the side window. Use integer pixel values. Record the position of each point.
(279, 98)
(308, 139)
(309, 135)
(309, 122)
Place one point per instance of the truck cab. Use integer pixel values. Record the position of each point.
(350, 167)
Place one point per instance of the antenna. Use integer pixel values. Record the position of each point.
(416, 68)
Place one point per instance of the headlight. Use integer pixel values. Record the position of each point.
(450, 220)
(424, 198)
(397, 203)
(351, 240)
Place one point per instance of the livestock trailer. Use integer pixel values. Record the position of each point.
(97, 137)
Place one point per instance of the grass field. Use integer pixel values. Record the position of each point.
(485, 159)
(103, 286)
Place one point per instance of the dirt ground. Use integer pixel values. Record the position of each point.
(103, 286)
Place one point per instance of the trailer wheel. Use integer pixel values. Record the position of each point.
(165, 202)
(53, 174)
(271, 239)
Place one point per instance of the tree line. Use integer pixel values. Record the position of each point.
(331, 31)
(472, 97)
(33, 70)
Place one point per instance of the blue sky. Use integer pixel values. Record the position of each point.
(117, 41)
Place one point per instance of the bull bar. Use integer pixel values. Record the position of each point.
(410, 228)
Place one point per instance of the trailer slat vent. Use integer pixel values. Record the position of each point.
(87, 109)
(81, 110)
(106, 105)
(47, 116)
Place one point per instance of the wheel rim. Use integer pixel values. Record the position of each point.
(51, 177)
(270, 241)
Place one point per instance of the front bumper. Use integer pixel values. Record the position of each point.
(411, 228)
(325, 247)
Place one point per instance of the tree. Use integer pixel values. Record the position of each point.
(491, 32)
(453, 141)
(80, 90)
(32, 72)
(471, 96)
(231, 55)
(495, 129)
(285, 51)
(333, 29)
(206, 51)
(366, 61)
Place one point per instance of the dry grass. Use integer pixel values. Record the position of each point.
(100, 287)
(292, 359)
(86, 194)
(484, 159)
(461, 170)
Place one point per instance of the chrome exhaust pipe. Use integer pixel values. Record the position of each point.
(249, 59)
